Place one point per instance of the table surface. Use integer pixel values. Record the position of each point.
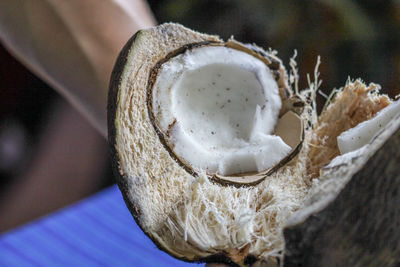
(98, 231)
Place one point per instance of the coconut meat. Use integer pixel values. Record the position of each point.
(217, 108)
(360, 135)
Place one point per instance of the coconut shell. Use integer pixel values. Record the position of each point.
(171, 39)
(355, 225)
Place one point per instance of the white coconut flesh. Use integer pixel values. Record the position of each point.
(360, 135)
(217, 108)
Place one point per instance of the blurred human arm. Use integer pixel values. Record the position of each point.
(72, 45)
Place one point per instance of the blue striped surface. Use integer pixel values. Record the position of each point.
(98, 231)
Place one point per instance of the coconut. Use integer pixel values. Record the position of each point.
(215, 153)
(216, 105)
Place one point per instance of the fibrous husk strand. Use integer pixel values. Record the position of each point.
(353, 104)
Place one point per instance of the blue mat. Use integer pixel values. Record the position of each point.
(98, 231)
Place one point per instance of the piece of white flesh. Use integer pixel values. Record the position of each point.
(219, 107)
(365, 131)
(346, 158)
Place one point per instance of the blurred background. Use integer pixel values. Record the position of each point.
(41, 135)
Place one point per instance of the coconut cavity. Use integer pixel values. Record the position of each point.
(217, 108)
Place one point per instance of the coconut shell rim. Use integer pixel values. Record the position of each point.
(276, 68)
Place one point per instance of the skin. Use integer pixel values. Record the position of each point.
(53, 37)
(68, 164)
(71, 46)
